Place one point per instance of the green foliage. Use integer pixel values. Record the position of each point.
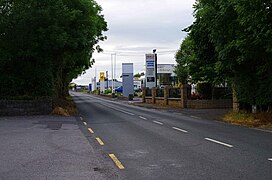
(108, 91)
(185, 58)
(45, 44)
(232, 41)
(204, 90)
(138, 75)
(221, 93)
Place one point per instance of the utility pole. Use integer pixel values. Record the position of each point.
(112, 90)
(114, 67)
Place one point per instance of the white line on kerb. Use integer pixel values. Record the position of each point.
(142, 117)
(157, 122)
(218, 142)
(178, 129)
(270, 159)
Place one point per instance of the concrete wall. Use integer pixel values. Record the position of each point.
(25, 107)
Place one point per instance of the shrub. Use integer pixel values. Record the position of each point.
(204, 90)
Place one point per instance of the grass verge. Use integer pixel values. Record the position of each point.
(64, 107)
(260, 120)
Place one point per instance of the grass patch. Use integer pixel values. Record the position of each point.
(263, 120)
(64, 107)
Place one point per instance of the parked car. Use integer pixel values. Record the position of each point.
(119, 89)
(139, 89)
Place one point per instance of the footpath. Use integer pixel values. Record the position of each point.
(49, 147)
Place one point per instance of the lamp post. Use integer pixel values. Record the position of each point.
(112, 91)
(113, 69)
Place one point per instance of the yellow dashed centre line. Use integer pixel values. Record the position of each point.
(90, 130)
(85, 123)
(100, 141)
(116, 161)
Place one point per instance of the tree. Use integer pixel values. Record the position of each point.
(45, 44)
(232, 39)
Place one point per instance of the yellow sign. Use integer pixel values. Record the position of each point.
(102, 76)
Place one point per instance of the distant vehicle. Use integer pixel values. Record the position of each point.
(139, 89)
(119, 89)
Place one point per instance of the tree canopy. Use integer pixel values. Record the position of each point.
(45, 44)
(231, 40)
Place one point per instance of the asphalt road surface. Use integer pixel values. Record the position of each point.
(154, 144)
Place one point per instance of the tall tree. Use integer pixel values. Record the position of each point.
(45, 44)
(232, 38)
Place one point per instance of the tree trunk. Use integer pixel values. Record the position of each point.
(254, 109)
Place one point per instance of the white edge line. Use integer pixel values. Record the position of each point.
(157, 122)
(120, 110)
(196, 117)
(142, 117)
(125, 112)
(178, 129)
(263, 130)
(218, 142)
(269, 159)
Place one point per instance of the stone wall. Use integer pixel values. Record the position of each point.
(184, 101)
(148, 100)
(209, 104)
(25, 107)
(174, 102)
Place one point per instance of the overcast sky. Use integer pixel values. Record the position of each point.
(138, 27)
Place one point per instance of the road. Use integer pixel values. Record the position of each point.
(156, 144)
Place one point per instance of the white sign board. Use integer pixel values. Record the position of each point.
(150, 73)
(166, 68)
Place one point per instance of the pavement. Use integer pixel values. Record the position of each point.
(49, 147)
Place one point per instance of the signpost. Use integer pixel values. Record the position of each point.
(102, 84)
(151, 70)
(127, 76)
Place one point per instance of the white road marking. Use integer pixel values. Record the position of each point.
(270, 159)
(196, 117)
(81, 118)
(218, 142)
(157, 122)
(120, 110)
(178, 129)
(142, 117)
(85, 123)
(264, 130)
